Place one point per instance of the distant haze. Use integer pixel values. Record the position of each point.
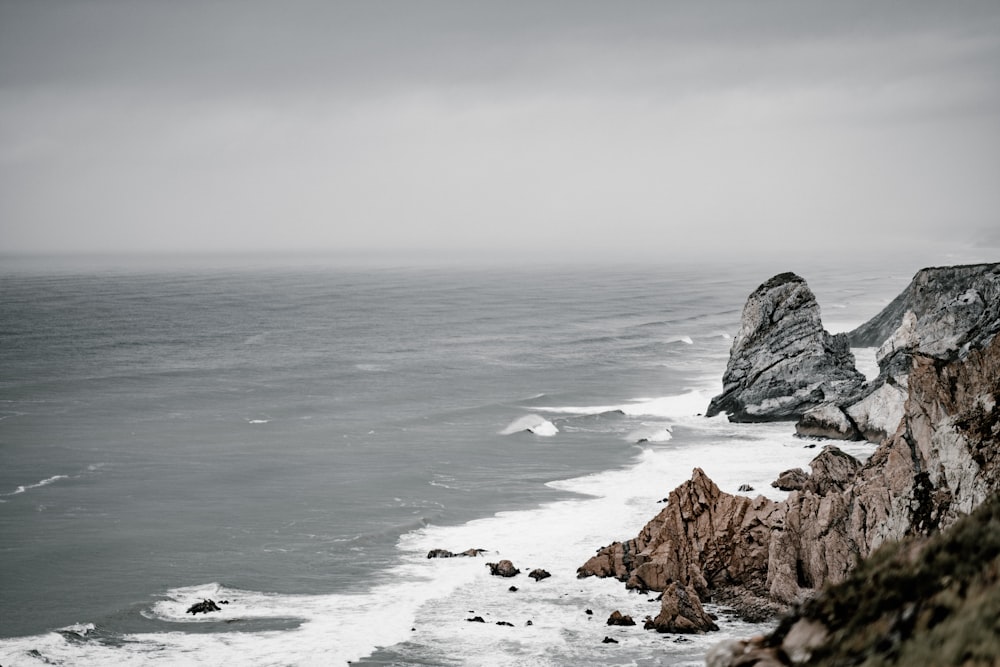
(570, 129)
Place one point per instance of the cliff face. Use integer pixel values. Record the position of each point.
(783, 362)
(940, 463)
(920, 603)
(943, 313)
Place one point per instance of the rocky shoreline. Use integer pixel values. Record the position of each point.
(932, 410)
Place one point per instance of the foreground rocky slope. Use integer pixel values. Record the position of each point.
(760, 556)
(918, 602)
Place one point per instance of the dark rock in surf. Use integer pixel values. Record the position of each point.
(782, 362)
(538, 574)
(203, 607)
(681, 612)
(618, 618)
(745, 488)
(440, 553)
(476, 619)
(503, 569)
(609, 640)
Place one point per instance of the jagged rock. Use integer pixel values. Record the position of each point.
(703, 537)
(943, 313)
(833, 470)
(950, 304)
(538, 574)
(919, 602)
(791, 480)
(503, 569)
(617, 618)
(203, 607)
(681, 611)
(827, 421)
(782, 362)
(745, 488)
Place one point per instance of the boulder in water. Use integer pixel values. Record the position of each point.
(504, 568)
(203, 607)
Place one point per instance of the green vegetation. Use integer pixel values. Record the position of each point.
(920, 602)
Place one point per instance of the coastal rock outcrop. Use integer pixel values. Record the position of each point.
(943, 313)
(939, 464)
(782, 362)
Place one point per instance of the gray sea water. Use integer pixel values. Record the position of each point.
(293, 439)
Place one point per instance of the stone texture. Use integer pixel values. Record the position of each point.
(791, 480)
(782, 362)
(827, 421)
(681, 612)
(618, 618)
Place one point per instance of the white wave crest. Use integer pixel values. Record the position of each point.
(533, 424)
(681, 339)
(44, 482)
(681, 406)
(258, 421)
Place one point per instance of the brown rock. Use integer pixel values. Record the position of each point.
(503, 569)
(681, 612)
(617, 618)
(791, 480)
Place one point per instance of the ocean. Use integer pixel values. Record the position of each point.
(294, 440)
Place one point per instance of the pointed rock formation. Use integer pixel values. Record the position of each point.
(782, 362)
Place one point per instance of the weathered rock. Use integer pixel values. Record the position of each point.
(827, 421)
(503, 569)
(953, 307)
(203, 607)
(538, 574)
(833, 470)
(444, 553)
(439, 553)
(617, 618)
(943, 313)
(942, 462)
(782, 362)
(681, 612)
(791, 480)
(745, 488)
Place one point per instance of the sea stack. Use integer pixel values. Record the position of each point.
(783, 363)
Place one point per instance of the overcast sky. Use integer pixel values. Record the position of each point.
(474, 128)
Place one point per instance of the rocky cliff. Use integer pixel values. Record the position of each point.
(939, 464)
(782, 361)
(944, 312)
(919, 602)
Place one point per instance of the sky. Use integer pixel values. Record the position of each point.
(479, 129)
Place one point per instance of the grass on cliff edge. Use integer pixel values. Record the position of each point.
(919, 603)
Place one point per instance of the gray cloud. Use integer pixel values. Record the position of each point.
(548, 128)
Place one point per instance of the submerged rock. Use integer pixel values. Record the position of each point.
(782, 362)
